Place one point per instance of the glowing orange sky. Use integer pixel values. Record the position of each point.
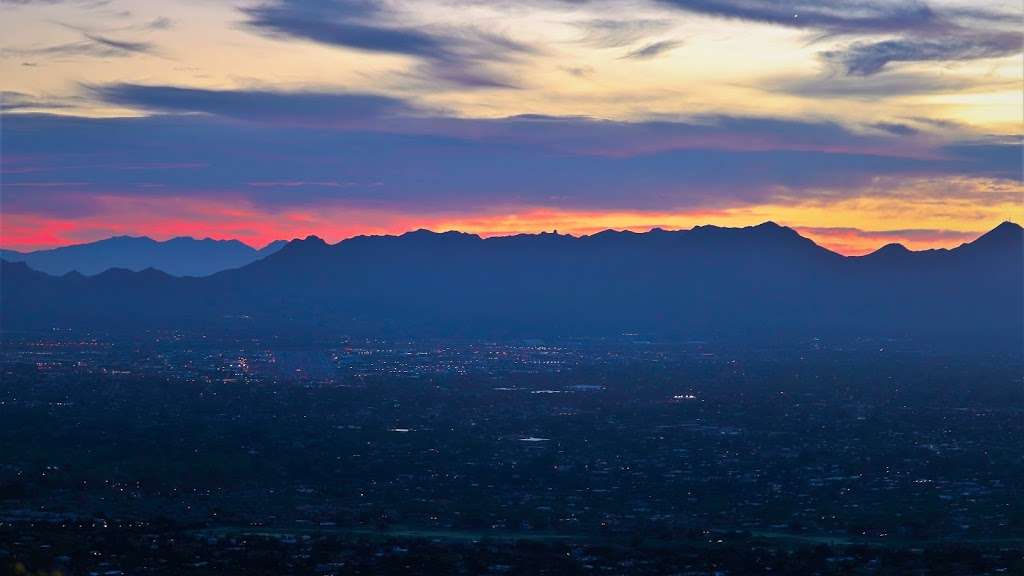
(256, 228)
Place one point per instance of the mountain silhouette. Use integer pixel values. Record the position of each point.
(757, 281)
(182, 256)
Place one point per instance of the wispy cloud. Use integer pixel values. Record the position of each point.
(12, 101)
(867, 58)
(463, 57)
(895, 128)
(159, 23)
(91, 45)
(120, 45)
(887, 84)
(321, 109)
(832, 16)
(925, 34)
(618, 33)
(653, 49)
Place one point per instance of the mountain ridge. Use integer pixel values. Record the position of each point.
(178, 256)
(739, 281)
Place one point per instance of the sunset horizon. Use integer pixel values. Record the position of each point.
(844, 241)
(511, 287)
(274, 118)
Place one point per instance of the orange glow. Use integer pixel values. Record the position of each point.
(165, 218)
(853, 242)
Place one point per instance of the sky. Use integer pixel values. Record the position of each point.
(856, 123)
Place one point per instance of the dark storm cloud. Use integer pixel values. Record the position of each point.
(462, 57)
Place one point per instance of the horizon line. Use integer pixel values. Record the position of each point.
(811, 233)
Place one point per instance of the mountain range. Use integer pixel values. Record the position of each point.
(182, 256)
(759, 281)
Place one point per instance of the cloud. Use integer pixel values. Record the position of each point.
(87, 3)
(867, 58)
(876, 33)
(835, 17)
(321, 157)
(926, 34)
(581, 135)
(561, 134)
(159, 23)
(91, 45)
(578, 71)
(322, 109)
(369, 151)
(121, 45)
(12, 101)
(618, 33)
(1000, 158)
(461, 57)
(284, 20)
(883, 85)
(653, 49)
(895, 128)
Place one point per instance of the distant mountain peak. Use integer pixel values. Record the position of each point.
(205, 240)
(769, 231)
(1006, 228)
(179, 256)
(273, 246)
(425, 233)
(772, 227)
(766, 226)
(310, 242)
(891, 249)
(308, 245)
(610, 233)
(1005, 234)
